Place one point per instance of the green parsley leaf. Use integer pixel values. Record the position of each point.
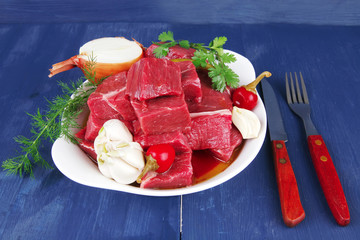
(228, 58)
(211, 57)
(161, 51)
(218, 42)
(184, 44)
(218, 79)
(166, 36)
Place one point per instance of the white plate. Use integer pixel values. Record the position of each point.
(75, 164)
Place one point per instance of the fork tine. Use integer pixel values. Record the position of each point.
(288, 96)
(306, 99)
(292, 89)
(298, 89)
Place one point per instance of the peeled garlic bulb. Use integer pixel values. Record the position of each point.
(118, 156)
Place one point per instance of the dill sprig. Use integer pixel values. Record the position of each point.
(211, 57)
(59, 119)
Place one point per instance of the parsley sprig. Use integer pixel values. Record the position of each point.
(167, 41)
(211, 57)
(58, 120)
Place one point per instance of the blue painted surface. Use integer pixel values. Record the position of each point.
(320, 12)
(246, 207)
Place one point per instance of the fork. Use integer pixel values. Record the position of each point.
(298, 102)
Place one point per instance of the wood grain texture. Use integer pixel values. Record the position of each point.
(321, 12)
(291, 207)
(247, 206)
(52, 206)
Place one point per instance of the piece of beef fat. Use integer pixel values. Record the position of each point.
(149, 78)
(190, 81)
(175, 52)
(210, 130)
(179, 175)
(162, 114)
(109, 100)
(224, 154)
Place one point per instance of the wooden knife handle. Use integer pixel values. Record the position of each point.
(329, 179)
(292, 210)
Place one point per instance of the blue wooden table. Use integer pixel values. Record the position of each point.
(51, 206)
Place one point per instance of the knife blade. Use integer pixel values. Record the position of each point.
(291, 207)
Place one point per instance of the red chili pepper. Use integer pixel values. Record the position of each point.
(159, 158)
(245, 96)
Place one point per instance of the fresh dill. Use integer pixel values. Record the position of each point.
(58, 120)
(211, 57)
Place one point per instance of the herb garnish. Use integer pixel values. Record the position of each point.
(211, 57)
(58, 120)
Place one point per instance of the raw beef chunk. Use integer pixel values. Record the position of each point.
(162, 114)
(179, 175)
(210, 130)
(175, 139)
(93, 127)
(86, 146)
(224, 154)
(190, 81)
(212, 100)
(152, 77)
(109, 101)
(181, 172)
(175, 52)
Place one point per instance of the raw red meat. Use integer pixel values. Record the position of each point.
(210, 130)
(109, 100)
(224, 154)
(175, 52)
(176, 139)
(212, 100)
(190, 81)
(179, 175)
(162, 114)
(181, 172)
(86, 146)
(152, 77)
(93, 126)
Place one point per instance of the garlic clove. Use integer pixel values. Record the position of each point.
(246, 122)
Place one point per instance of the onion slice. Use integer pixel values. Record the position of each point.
(108, 56)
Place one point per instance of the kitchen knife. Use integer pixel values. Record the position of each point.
(291, 207)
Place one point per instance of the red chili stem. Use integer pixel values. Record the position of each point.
(151, 165)
(252, 86)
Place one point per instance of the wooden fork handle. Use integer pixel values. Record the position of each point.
(329, 180)
(291, 208)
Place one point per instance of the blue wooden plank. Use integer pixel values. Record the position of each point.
(50, 206)
(247, 207)
(199, 12)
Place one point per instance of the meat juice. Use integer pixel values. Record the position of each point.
(205, 165)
